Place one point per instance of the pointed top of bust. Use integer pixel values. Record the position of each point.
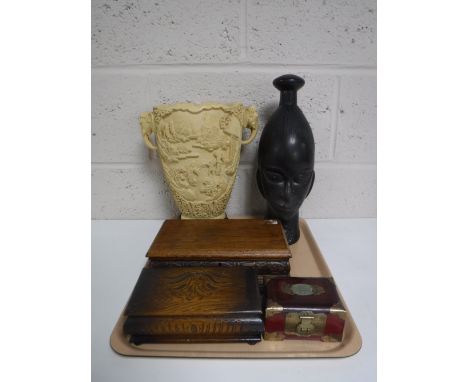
(288, 82)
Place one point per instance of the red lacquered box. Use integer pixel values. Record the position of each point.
(303, 308)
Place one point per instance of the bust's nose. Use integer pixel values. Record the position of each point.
(287, 188)
(286, 194)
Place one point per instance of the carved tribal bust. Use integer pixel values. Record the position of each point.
(286, 151)
(285, 177)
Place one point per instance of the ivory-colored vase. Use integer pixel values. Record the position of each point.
(199, 148)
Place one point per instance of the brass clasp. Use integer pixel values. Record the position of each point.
(306, 326)
(305, 323)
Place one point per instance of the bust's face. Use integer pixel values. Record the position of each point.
(285, 182)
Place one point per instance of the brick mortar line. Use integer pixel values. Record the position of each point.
(240, 67)
(334, 118)
(320, 165)
(99, 221)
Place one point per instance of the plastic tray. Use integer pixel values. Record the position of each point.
(306, 261)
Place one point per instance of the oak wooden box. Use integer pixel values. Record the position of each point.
(194, 305)
(306, 261)
(249, 243)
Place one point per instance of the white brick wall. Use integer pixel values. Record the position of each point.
(146, 53)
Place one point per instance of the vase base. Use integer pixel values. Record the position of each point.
(222, 216)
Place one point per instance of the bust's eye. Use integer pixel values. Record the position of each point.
(302, 177)
(273, 176)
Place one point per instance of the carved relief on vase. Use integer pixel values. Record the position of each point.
(199, 148)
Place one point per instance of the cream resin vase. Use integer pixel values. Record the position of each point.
(199, 148)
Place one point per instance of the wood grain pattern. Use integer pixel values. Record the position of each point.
(227, 239)
(250, 338)
(195, 328)
(194, 304)
(194, 292)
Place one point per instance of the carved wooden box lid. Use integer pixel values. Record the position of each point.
(189, 292)
(225, 239)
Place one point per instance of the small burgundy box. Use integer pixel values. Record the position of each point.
(303, 308)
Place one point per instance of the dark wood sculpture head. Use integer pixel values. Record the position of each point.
(286, 151)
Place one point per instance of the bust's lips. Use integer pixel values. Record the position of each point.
(282, 208)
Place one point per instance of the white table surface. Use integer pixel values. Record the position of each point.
(118, 254)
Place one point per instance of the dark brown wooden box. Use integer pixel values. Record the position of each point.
(194, 305)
